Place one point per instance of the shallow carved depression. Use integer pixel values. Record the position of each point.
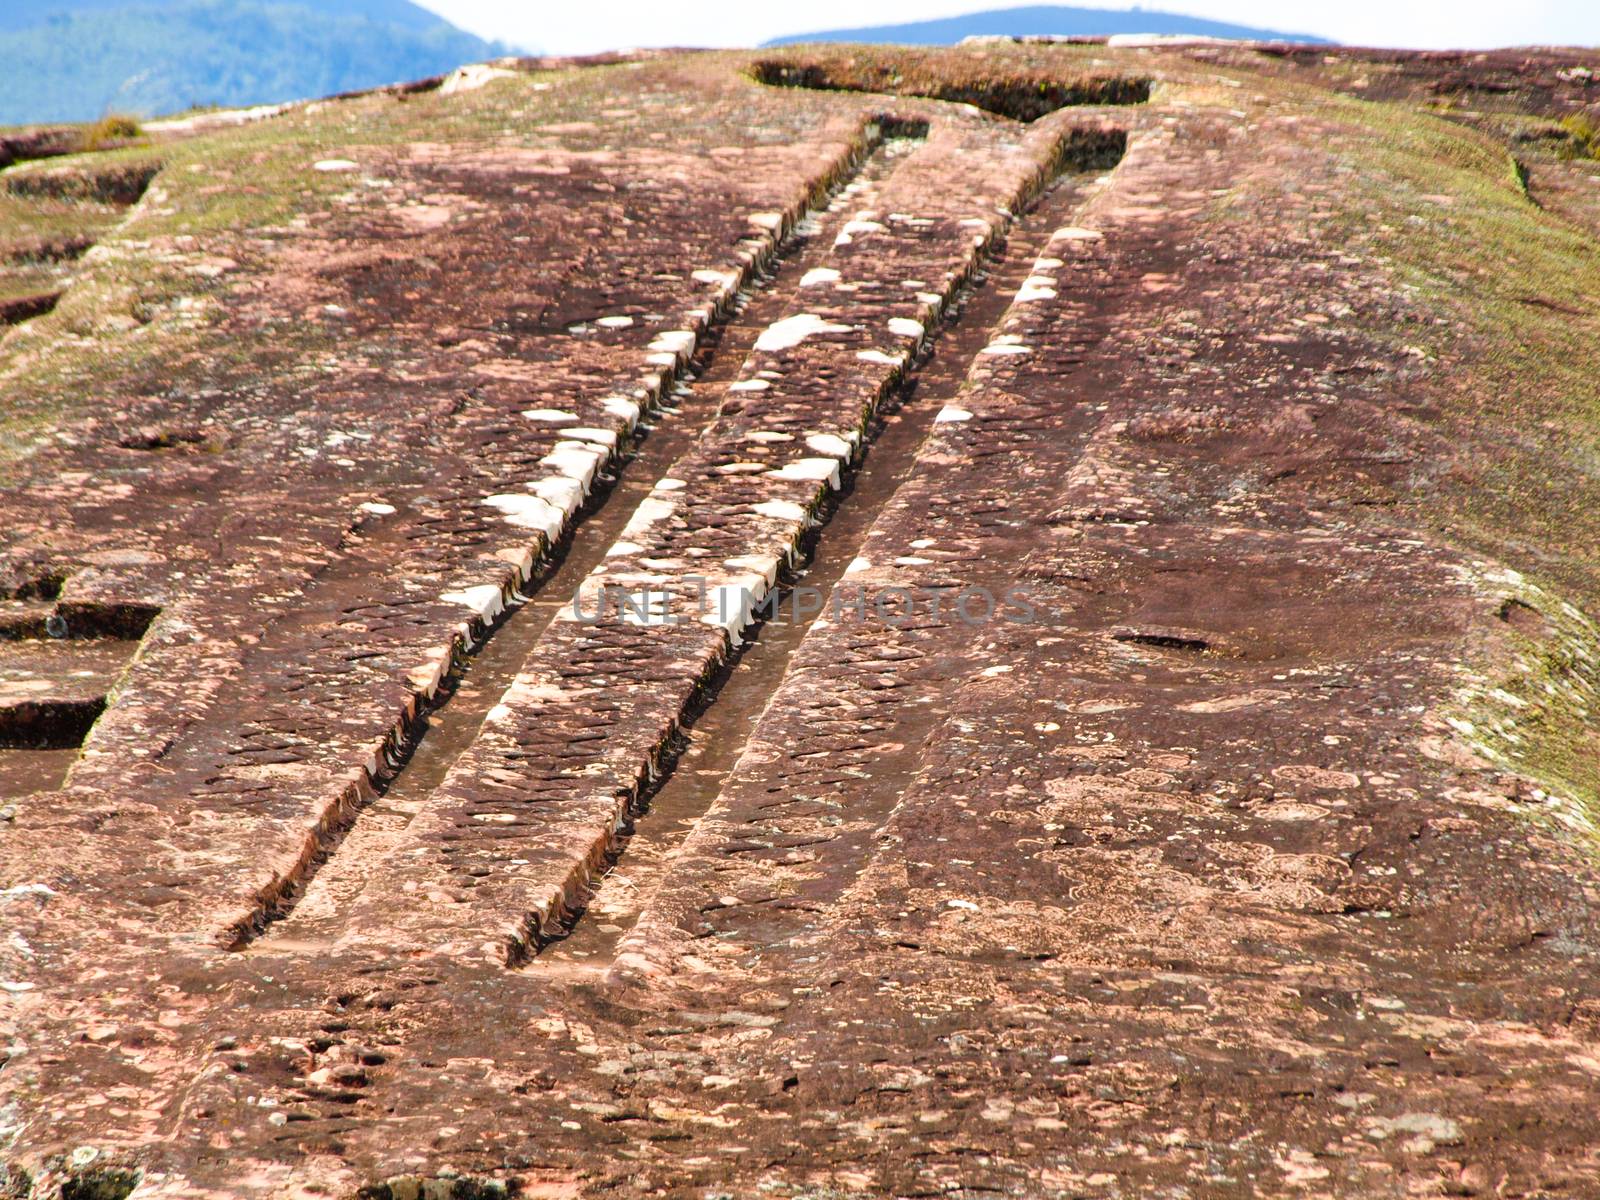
(120, 184)
(58, 663)
(1020, 97)
(25, 308)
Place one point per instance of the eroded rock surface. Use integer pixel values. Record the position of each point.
(1184, 787)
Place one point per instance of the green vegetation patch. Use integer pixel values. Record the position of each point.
(1494, 302)
(1533, 710)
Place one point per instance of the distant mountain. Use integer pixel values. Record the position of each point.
(1043, 19)
(75, 60)
(387, 12)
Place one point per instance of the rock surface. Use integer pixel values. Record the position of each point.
(661, 634)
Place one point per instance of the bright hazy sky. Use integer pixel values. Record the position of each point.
(578, 27)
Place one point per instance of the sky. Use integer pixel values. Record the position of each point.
(566, 27)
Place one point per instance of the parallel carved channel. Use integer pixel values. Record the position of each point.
(311, 917)
(502, 837)
(716, 734)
